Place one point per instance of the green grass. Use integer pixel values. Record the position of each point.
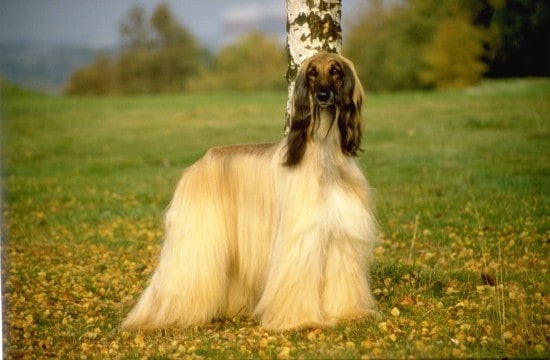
(462, 182)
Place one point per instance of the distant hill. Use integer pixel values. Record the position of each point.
(44, 67)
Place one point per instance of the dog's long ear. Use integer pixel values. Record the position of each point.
(300, 118)
(350, 121)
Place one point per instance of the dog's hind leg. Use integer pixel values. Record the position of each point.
(190, 283)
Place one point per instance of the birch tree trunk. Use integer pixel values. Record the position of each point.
(312, 26)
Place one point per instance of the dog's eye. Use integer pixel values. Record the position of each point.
(312, 72)
(335, 71)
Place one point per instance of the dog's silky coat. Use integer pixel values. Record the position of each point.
(281, 232)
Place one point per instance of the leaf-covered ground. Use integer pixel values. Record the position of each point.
(462, 190)
(66, 300)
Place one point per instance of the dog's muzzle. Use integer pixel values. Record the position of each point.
(324, 97)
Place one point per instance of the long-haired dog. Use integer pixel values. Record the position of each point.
(281, 232)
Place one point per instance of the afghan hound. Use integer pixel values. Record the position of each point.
(279, 232)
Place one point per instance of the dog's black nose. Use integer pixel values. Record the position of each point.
(323, 96)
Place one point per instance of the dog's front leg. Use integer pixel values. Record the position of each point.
(291, 298)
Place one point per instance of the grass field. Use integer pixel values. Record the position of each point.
(462, 185)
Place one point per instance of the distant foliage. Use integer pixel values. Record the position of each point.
(255, 62)
(448, 44)
(454, 57)
(95, 79)
(395, 45)
(416, 44)
(159, 55)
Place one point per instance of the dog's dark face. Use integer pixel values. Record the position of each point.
(325, 82)
(324, 79)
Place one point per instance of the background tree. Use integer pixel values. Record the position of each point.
(419, 43)
(387, 43)
(176, 54)
(373, 44)
(433, 43)
(134, 29)
(133, 62)
(133, 71)
(454, 56)
(95, 79)
(253, 63)
(159, 55)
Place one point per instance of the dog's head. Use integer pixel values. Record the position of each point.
(325, 82)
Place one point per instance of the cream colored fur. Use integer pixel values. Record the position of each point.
(248, 236)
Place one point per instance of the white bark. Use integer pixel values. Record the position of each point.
(312, 26)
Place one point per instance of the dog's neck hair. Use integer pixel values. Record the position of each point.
(324, 139)
(324, 127)
(317, 134)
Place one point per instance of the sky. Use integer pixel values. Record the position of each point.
(95, 22)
